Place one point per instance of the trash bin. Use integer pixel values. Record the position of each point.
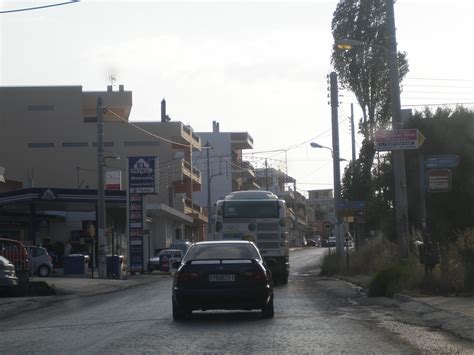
(75, 264)
(114, 265)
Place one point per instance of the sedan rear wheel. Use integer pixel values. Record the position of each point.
(267, 310)
(179, 313)
(43, 271)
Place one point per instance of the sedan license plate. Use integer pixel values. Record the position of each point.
(221, 277)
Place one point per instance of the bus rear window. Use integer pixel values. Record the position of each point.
(251, 209)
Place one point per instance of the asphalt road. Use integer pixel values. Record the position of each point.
(312, 315)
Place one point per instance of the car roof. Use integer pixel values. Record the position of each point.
(11, 240)
(224, 242)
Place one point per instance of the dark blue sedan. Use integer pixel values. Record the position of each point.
(222, 275)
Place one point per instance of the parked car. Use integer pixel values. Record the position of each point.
(222, 275)
(311, 243)
(8, 276)
(181, 245)
(16, 253)
(41, 262)
(331, 242)
(164, 259)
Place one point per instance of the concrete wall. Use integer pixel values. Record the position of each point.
(220, 163)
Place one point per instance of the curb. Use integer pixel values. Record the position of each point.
(450, 321)
(434, 317)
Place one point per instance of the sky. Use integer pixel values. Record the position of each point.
(254, 66)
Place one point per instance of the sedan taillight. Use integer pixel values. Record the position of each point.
(187, 276)
(255, 275)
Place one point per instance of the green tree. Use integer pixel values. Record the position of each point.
(364, 71)
(447, 132)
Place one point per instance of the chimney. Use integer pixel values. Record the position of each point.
(215, 126)
(121, 88)
(163, 110)
(109, 88)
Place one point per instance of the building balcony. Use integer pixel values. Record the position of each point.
(250, 184)
(117, 104)
(190, 208)
(288, 196)
(241, 140)
(191, 172)
(243, 169)
(184, 135)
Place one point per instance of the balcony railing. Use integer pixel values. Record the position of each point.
(243, 168)
(186, 166)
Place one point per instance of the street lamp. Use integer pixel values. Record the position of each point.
(110, 157)
(316, 145)
(337, 194)
(400, 185)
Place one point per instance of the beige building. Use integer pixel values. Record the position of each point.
(48, 139)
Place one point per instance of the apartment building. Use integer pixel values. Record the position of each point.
(228, 171)
(48, 140)
(323, 203)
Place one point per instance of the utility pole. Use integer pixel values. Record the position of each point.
(336, 162)
(401, 205)
(266, 174)
(353, 134)
(209, 214)
(101, 215)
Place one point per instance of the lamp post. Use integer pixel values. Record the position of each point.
(209, 214)
(337, 196)
(400, 185)
(316, 145)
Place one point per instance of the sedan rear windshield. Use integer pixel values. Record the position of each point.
(222, 251)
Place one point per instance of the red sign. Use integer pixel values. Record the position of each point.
(327, 226)
(439, 180)
(399, 139)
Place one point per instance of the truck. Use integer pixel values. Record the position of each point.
(261, 217)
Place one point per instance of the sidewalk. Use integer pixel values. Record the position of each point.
(71, 286)
(451, 314)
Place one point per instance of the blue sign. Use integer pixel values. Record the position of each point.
(352, 205)
(442, 161)
(142, 175)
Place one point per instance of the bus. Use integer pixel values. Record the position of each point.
(258, 216)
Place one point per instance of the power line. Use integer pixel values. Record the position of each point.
(39, 7)
(145, 131)
(438, 86)
(438, 79)
(441, 104)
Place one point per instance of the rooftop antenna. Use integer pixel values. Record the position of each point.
(112, 80)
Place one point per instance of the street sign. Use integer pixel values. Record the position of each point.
(351, 208)
(352, 205)
(439, 180)
(441, 161)
(399, 139)
(142, 175)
